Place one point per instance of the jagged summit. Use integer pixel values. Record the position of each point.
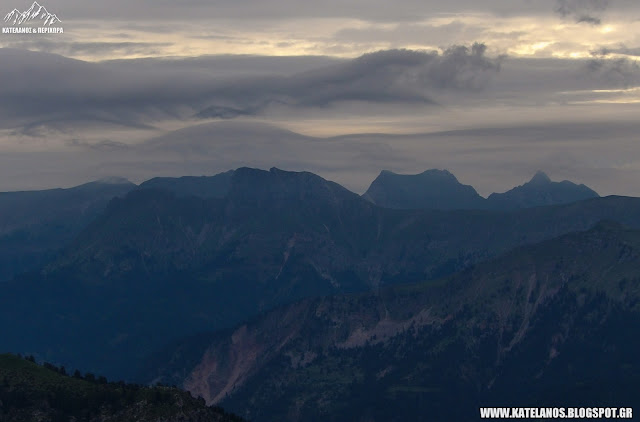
(540, 191)
(114, 180)
(540, 178)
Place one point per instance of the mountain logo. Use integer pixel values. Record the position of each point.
(36, 13)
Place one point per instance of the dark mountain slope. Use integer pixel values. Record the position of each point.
(29, 392)
(432, 189)
(34, 225)
(154, 267)
(545, 325)
(268, 221)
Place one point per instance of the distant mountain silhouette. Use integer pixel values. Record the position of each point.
(286, 188)
(439, 189)
(432, 189)
(540, 190)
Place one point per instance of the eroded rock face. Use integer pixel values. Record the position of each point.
(226, 366)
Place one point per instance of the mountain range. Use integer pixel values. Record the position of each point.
(274, 238)
(34, 225)
(285, 296)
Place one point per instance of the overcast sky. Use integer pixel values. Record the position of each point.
(490, 90)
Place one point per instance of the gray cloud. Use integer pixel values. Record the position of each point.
(622, 50)
(378, 10)
(582, 11)
(589, 19)
(413, 33)
(225, 65)
(40, 90)
(80, 121)
(161, 14)
(392, 76)
(46, 87)
(43, 87)
(107, 145)
(71, 48)
(617, 72)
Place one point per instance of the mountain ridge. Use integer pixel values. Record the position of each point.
(540, 191)
(341, 358)
(275, 238)
(440, 189)
(216, 186)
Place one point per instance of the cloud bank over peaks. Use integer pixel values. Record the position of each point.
(388, 76)
(57, 87)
